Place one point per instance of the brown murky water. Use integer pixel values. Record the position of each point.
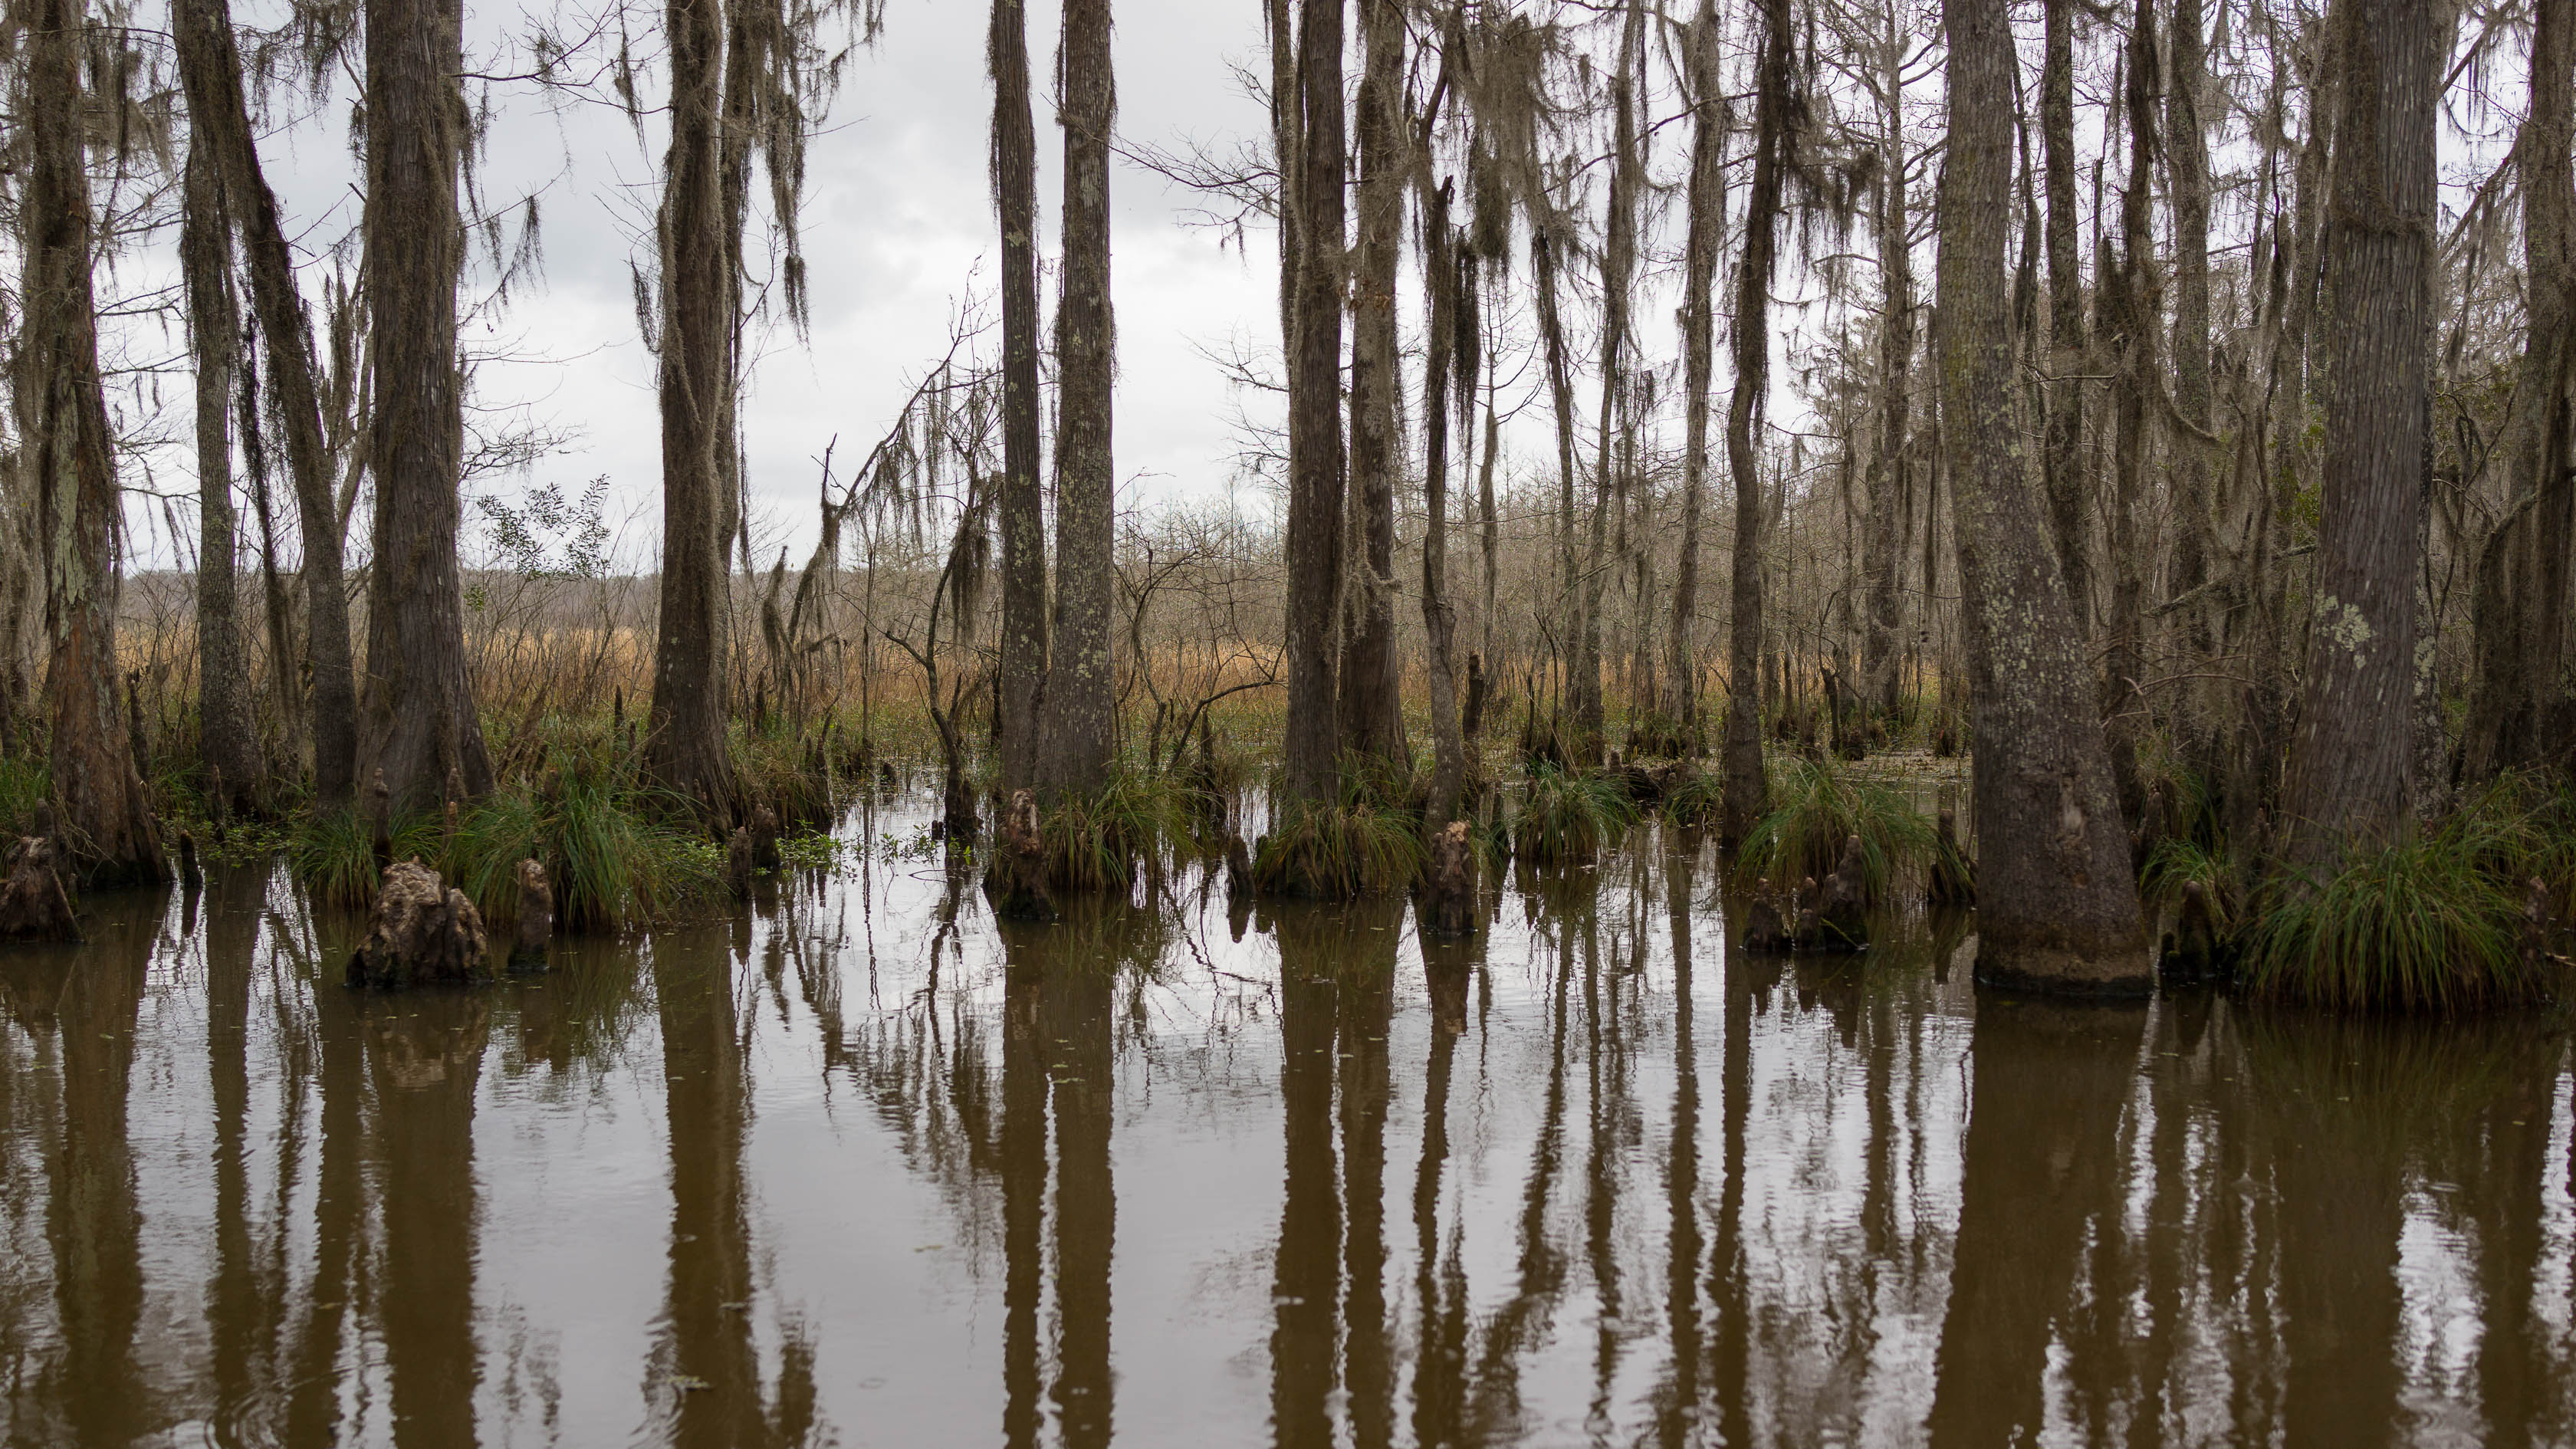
(864, 1169)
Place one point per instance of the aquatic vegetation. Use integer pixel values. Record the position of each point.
(2413, 926)
(2180, 862)
(1095, 842)
(1695, 801)
(26, 782)
(1815, 809)
(1349, 848)
(1567, 817)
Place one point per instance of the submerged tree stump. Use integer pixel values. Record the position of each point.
(1838, 920)
(764, 837)
(1017, 880)
(34, 904)
(1449, 886)
(536, 929)
(738, 861)
(1953, 880)
(2191, 950)
(422, 933)
(1764, 930)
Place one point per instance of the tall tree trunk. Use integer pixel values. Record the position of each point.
(2068, 505)
(1618, 269)
(1076, 737)
(2520, 603)
(2136, 308)
(1745, 790)
(686, 750)
(2057, 904)
(1706, 238)
(1023, 503)
(104, 810)
(1446, 278)
(418, 726)
(1544, 244)
(2351, 761)
(1310, 764)
(227, 742)
(1892, 472)
(210, 71)
(2186, 148)
(1372, 709)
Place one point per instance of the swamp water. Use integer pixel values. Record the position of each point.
(865, 1168)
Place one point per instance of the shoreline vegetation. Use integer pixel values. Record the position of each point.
(2174, 601)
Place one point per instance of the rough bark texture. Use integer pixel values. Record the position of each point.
(103, 808)
(1023, 660)
(2186, 148)
(685, 733)
(1372, 710)
(2058, 905)
(1017, 878)
(210, 71)
(1449, 882)
(1074, 739)
(420, 933)
(417, 721)
(1706, 237)
(2351, 761)
(1891, 490)
(1545, 244)
(535, 932)
(1745, 789)
(1445, 282)
(2068, 501)
(2520, 605)
(34, 905)
(227, 739)
(1310, 767)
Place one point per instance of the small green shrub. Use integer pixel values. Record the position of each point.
(1570, 817)
(1815, 809)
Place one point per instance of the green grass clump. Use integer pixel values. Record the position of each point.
(1570, 817)
(1350, 848)
(1095, 842)
(2415, 926)
(1696, 800)
(26, 782)
(1815, 809)
(2179, 863)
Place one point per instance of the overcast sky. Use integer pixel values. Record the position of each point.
(898, 225)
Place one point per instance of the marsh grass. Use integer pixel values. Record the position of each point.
(1096, 842)
(26, 783)
(1815, 809)
(2178, 863)
(1353, 847)
(1567, 818)
(2415, 927)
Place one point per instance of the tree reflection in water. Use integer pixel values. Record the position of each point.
(904, 1174)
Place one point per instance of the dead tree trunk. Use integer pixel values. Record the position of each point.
(2520, 604)
(1075, 740)
(102, 806)
(2351, 761)
(1310, 765)
(685, 749)
(1023, 660)
(2058, 906)
(1706, 238)
(227, 740)
(1745, 790)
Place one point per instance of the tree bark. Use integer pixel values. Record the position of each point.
(2351, 761)
(210, 72)
(2519, 608)
(1075, 739)
(685, 748)
(1445, 281)
(103, 809)
(1023, 660)
(227, 742)
(1311, 747)
(418, 727)
(2186, 147)
(1892, 471)
(1544, 246)
(1618, 270)
(1371, 704)
(1705, 239)
(1745, 792)
(2057, 903)
(2068, 504)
